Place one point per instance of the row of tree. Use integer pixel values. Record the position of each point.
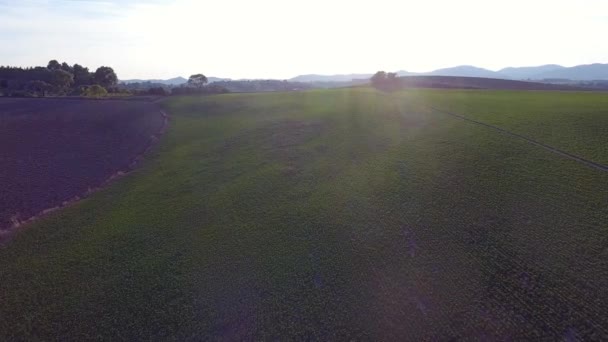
(56, 79)
(385, 81)
(197, 84)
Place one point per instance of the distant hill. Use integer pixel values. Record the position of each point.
(544, 72)
(587, 72)
(465, 71)
(528, 72)
(173, 81)
(329, 78)
(590, 72)
(406, 73)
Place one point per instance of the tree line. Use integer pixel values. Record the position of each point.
(385, 81)
(198, 84)
(57, 79)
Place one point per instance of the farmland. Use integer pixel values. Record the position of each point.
(57, 149)
(332, 215)
(572, 122)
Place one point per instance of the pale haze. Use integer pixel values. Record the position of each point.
(281, 39)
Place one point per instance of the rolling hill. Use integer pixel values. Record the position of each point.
(587, 72)
(329, 78)
(550, 71)
(522, 73)
(465, 71)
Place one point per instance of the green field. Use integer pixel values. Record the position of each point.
(574, 122)
(333, 215)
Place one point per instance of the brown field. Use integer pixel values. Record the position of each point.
(57, 150)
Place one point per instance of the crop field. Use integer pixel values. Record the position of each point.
(575, 122)
(344, 214)
(455, 82)
(56, 149)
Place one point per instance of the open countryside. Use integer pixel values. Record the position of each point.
(186, 170)
(329, 215)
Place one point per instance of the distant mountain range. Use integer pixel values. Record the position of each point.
(587, 72)
(329, 78)
(529, 72)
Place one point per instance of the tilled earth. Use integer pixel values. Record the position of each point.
(52, 150)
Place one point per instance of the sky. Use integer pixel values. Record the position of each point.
(284, 38)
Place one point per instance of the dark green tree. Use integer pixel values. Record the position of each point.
(379, 79)
(62, 80)
(40, 88)
(53, 65)
(105, 77)
(4, 87)
(65, 66)
(392, 81)
(82, 76)
(198, 81)
(96, 91)
(385, 81)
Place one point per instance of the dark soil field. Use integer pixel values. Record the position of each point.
(52, 150)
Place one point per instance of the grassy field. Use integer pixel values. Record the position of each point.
(330, 215)
(574, 122)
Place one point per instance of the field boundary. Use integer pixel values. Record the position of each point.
(6, 232)
(549, 148)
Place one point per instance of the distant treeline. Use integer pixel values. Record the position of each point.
(218, 87)
(160, 89)
(57, 79)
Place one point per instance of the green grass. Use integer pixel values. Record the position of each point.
(574, 122)
(331, 215)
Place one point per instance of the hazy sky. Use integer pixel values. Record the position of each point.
(283, 38)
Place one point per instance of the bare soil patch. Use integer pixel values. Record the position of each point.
(56, 151)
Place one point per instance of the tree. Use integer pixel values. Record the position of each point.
(53, 65)
(392, 81)
(96, 91)
(62, 79)
(198, 81)
(65, 66)
(378, 79)
(4, 87)
(105, 77)
(383, 81)
(38, 87)
(82, 76)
